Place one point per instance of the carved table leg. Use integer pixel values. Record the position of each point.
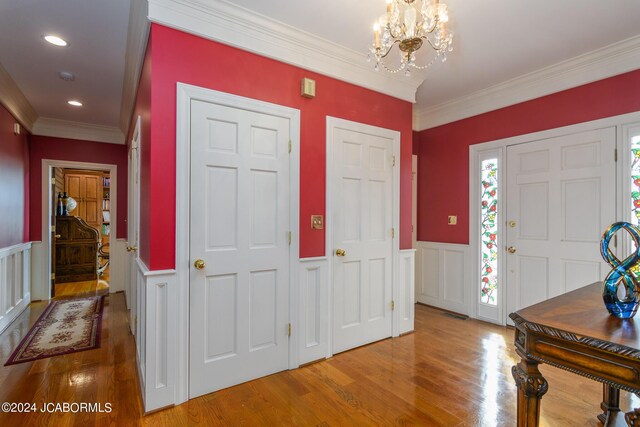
(633, 418)
(610, 401)
(531, 387)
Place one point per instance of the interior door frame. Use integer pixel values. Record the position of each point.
(337, 123)
(133, 207)
(620, 122)
(185, 94)
(47, 166)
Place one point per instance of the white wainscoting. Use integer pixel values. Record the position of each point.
(15, 282)
(313, 329)
(405, 299)
(156, 336)
(40, 284)
(118, 263)
(442, 276)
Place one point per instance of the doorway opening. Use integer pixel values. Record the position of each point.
(78, 204)
(81, 202)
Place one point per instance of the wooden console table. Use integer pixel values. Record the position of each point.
(575, 332)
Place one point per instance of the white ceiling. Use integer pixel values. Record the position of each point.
(97, 36)
(495, 41)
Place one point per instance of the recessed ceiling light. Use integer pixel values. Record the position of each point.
(67, 76)
(55, 40)
(75, 103)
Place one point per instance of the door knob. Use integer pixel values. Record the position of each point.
(132, 248)
(199, 264)
(58, 236)
(341, 252)
(511, 250)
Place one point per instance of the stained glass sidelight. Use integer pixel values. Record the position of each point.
(489, 230)
(635, 180)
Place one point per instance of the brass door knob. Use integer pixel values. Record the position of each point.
(511, 250)
(341, 252)
(132, 248)
(199, 264)
(58, 236)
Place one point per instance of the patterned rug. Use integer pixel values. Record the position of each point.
(66, 326)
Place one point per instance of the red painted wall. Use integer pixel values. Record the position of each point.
(44, 147)
(142, 108)
(180, 57)
(443, 151)
(14, 182)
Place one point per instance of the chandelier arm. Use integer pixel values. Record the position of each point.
(438, 48)
(388, 50)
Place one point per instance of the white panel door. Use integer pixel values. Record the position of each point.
(560, 198)
(239, 302)
(362, 214)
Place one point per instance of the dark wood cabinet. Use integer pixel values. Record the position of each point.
(76, 250)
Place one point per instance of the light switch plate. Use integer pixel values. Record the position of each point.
(452, 220)
(317, 222)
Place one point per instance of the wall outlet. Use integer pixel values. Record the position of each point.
(452, 220)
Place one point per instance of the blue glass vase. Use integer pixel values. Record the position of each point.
(621, 274)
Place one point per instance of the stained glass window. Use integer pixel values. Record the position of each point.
(635, 180)
(489, 230)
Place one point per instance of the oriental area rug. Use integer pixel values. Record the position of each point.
(66, 326)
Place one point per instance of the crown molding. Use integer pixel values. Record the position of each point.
(233, 25)
(617, 58)
(14, 100)
(76, 130)
(137, 37)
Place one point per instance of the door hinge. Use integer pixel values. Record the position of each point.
(53, 276)
(289, 237)
(289, 146)
(289, 330)
(393, 160)
(53, 181)
(393, 233)
(615, 155)
(53, 228)
(393, 305)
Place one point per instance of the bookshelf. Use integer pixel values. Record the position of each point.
(106, 209)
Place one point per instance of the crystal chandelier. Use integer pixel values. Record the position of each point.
(408, 23)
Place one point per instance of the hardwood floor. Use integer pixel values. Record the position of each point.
(450, 372)
(72, 289)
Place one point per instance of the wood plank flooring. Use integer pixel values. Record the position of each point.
(450, 372)
(99, 286)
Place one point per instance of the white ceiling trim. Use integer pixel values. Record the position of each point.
(606, 62)
(14, 100)
(76, 130)
(137, 36)
(239, 27)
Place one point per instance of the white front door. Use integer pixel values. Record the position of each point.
(239, 301)
(362, 213)
(560, 198)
